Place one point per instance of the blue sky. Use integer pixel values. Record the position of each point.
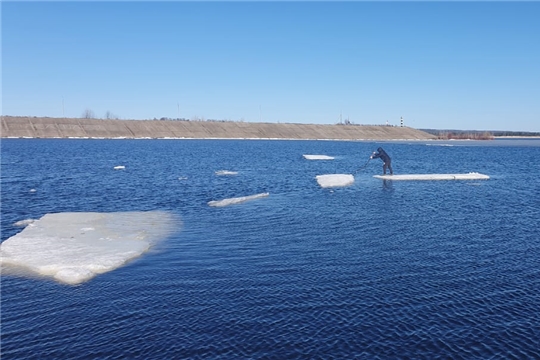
(439, 65)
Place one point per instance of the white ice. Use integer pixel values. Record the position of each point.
(469, 176)
(75, 247)
(23, 223)
(119, 167)
(226, 172)
(236, 200)
(318, 157)
(335, 180)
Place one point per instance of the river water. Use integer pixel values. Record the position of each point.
(374, 270)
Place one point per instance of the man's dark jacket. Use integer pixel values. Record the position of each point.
(383, 155)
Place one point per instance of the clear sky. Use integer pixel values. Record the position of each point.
(439, 65)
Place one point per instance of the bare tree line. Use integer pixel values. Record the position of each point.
(89, 114)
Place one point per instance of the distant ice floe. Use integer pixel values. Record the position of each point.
(75, 247)
(236, 200)
(318, 157)
(119, 167)
(32, 190)
(226, 172)
(335, 180)
(450, 145)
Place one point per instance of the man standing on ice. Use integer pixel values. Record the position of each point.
(387, 162)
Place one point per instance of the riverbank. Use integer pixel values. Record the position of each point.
(44, 127)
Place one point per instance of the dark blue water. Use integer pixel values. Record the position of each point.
(395, 270)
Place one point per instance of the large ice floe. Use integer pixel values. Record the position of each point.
(75, 247)
(468, 176)
(318, 157)
(335, 180)
(236, 200)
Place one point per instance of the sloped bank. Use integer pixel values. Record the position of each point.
(39, 127)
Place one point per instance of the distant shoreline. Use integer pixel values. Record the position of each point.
(480, 134)
(518, 137)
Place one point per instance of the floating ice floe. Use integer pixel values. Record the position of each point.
(469, 176)
(32, 190)
(236, 200)
(75, 247)
(119, 167)
(226, 172)
(335, 180)
(318, 157)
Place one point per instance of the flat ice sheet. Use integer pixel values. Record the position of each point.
(226, 172)
(318, 157)
(469, 176)
(335, 180)
(75, 247)
(236, 200)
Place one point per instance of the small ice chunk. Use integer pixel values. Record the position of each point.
(119, 167)
(75, 247)
(236, 200)
(33, 190)
(226, 172)
(318, 157)
(25, 222)
(335, 180)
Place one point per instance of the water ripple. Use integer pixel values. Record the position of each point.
(372, 271)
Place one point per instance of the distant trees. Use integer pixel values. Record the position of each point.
(110, 116)
(515, 133)
(88, 114)
(477, 134)
(463, 135)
